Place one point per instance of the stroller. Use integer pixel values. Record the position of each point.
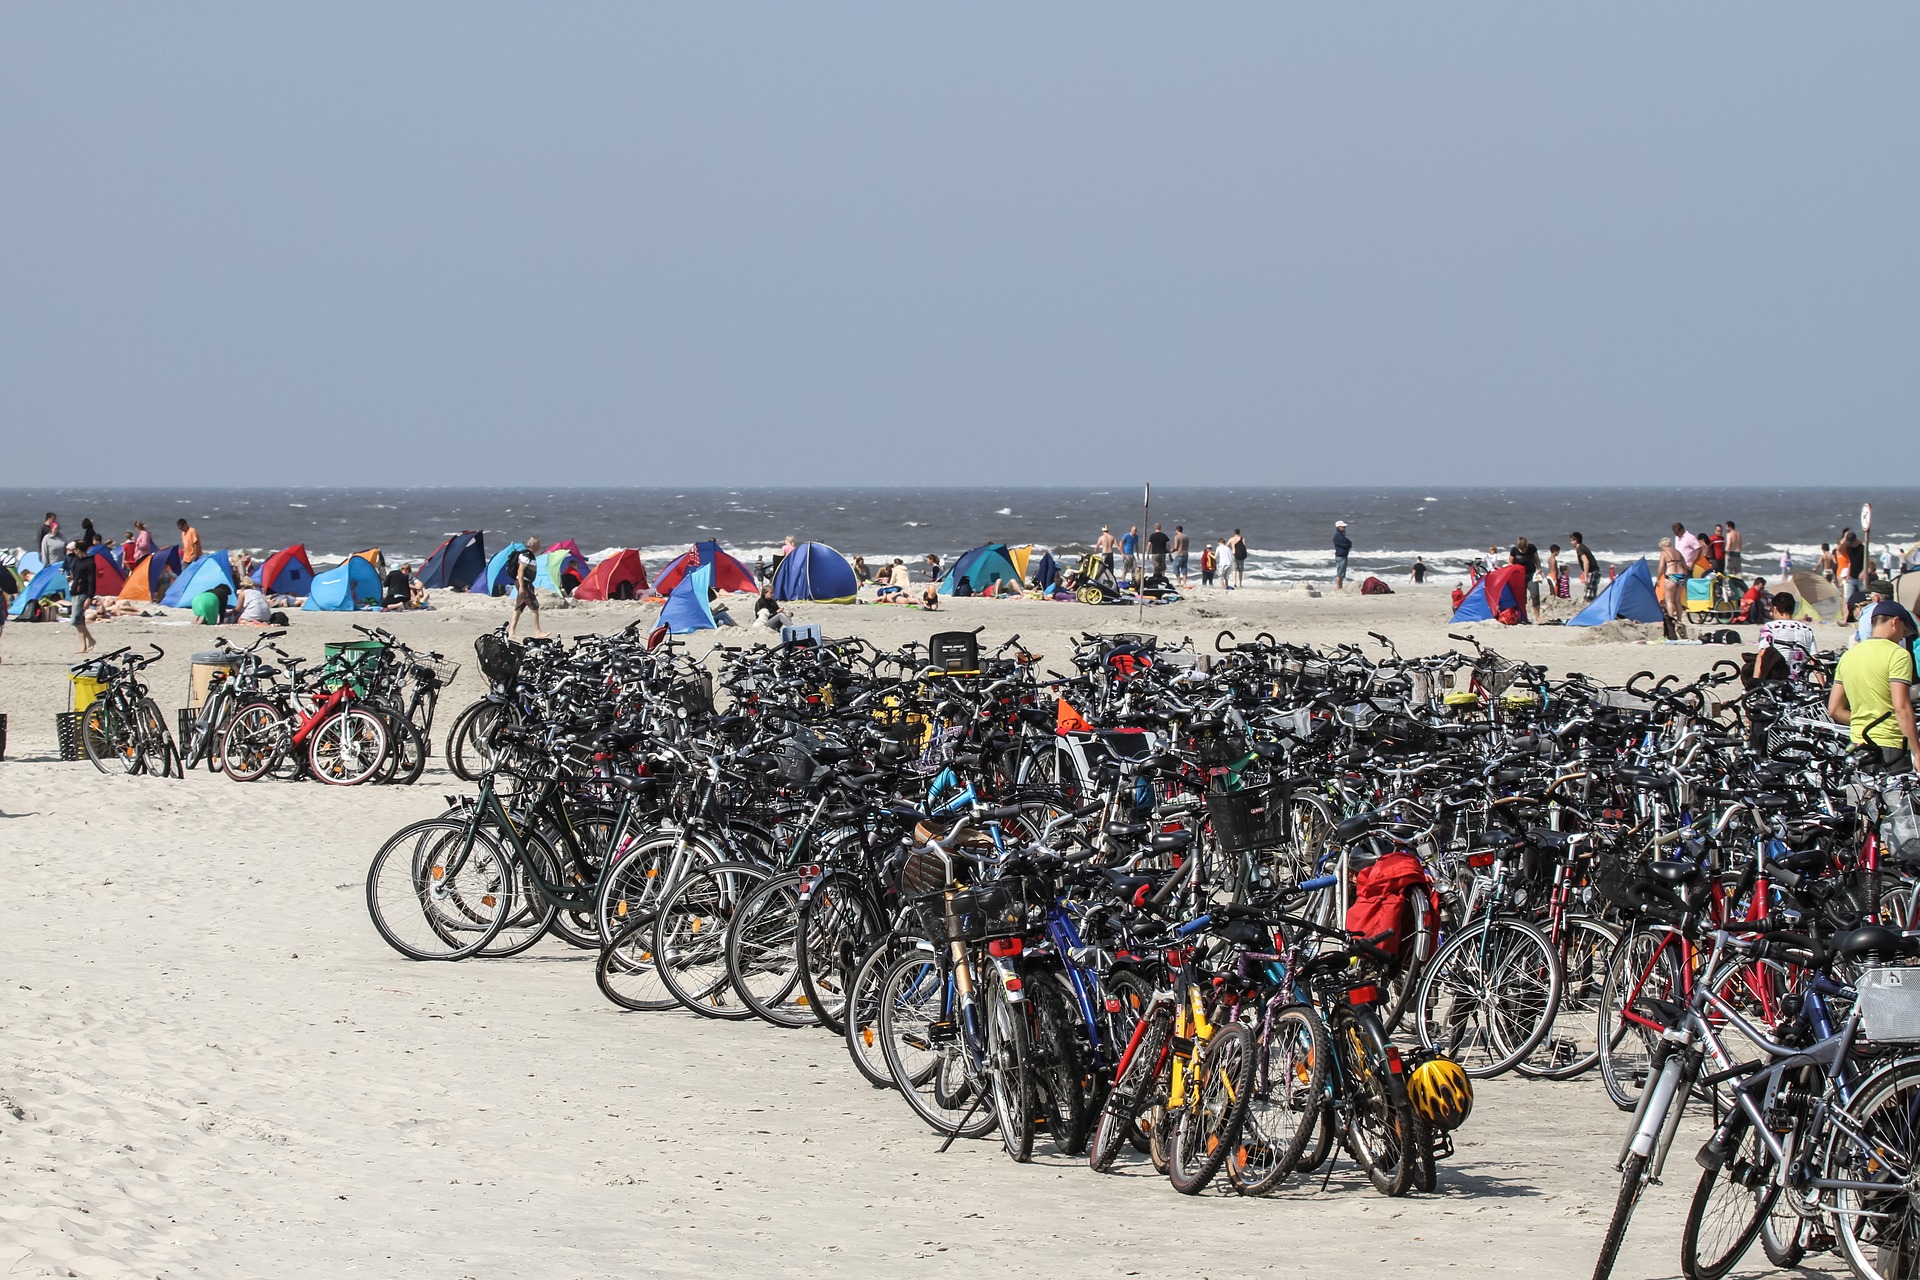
(1093, 581)
(1714, 597)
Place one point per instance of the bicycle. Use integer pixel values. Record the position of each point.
(123, 725)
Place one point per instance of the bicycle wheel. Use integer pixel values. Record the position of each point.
(154, 740)
(860, 1027)
(252, 741)
(1489, 996)
(1207, 1124)
(690, 937)
(1879, 1231)
(529, 915)
(1379, 1129)
(1133, 1089)
(431, 897)
(1783, 1234)
(406, 752)
(1283, 1108)
(837, 923)
(348, 747)
(1641, 968)
(1059, 1062)
(468, 754)
(638, 879)
(763, 952)
(1729, 1204)
(1571, 1045)
(626, 974)
(1010, 1068)
(920, 1039)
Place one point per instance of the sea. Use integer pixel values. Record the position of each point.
(1288, 531)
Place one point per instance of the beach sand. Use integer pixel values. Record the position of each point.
(210, 1064)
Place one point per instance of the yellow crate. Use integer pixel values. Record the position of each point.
(85, 690)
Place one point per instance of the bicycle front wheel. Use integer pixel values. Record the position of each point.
(1571, 1045)
(921, 1039)
(1489, 996)
(1641, 969)
(763, 953)
(251, 743)
(1208, 1123)
(690, 937)
(1728, 1207)
(348, 747)
(432, 896)
(1010, 1069)
(1879, 1231)
(1289, 1086)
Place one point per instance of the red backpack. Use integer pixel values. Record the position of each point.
(1381, 901)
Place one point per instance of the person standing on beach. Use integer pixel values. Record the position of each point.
(80, 585)
(189, 543)
(1180, 554)
(1223, 562)
(522, 573)
(1589, 567)
(1419, 574)
(1239, 560)
(1130, 553)
(1734, 543)
(1106, 544)
(1342, 548)
(1157, 544)
(1673, 577)
(142, 542)
(1527, 556)
(47, 526)
(1685, 545)
(1207, 563)
(53, 547)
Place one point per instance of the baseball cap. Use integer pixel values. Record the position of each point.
(1339, 524)
(1894, 609)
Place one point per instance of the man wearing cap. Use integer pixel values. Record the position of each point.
(1342, 548)
(1873, 692)
(1882, 592)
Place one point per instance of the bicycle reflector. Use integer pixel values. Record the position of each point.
(1480, 859)
(1003, 947)
(1363, 995)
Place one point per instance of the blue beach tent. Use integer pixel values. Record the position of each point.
(1630, 595)
(493, 579)
(29, 565)
(345, 586)
(686, 608)
(1497, 592)
(204, 574)
(981, 567)
(47, 582)
(455, 563)
(815, 571)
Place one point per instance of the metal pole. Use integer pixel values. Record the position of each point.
(1146, 522)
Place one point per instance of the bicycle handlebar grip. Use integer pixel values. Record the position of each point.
(1318, 882)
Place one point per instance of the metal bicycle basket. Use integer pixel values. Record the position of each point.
(1004, 908)
(1251, 819)
(1889, 1004)
(499, 658)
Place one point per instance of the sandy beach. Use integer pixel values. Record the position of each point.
(211, 1065)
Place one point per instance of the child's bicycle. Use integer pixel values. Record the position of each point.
(123, 727)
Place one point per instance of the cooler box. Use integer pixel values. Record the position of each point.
(201, 676)
(85, 690)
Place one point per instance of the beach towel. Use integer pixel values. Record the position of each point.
(1375, 587)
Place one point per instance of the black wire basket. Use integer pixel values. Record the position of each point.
(499, 658)
(1252, 819)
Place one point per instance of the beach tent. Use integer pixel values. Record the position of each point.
(169, 558)
(1020, 556)
(553, 562)
(1630, 595)
(1045, 572)
(147, 580)
(620, 576)
(981, 566)
(204, 574)
(47, 582)
(1504, 588)
(345, 586)
(728, 573)
(493, 579)
(30, 564)
(107, 575)
(686, 608)
(1818, 597)
(815, 571)
(455, 563)
(287, 573)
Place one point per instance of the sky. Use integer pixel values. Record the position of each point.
(720, 243)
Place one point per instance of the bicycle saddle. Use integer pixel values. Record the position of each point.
(1877, 942)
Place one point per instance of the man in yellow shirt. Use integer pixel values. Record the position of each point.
(1873, 691)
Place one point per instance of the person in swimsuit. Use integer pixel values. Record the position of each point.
(1673, 579)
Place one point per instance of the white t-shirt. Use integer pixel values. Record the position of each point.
(1793, 640)
(254, 606)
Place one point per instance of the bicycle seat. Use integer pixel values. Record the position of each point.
(1170, 841)
(1675, 874)
(1127, 830)
(1877, 942)
(1804, 860)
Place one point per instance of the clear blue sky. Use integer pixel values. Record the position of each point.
(700, 243)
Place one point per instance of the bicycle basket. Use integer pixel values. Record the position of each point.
(499, 658)
(1244, 820)
(695, 693)
(925, 872)
(1000, 909)
(1889, 1005)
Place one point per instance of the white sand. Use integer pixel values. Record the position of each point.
(212, 1065)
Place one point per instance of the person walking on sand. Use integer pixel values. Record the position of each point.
(1223, 561)
(189, 543)
(80, 585)
(1873, 692)
(1180, 545)
(1342, 548)
(522, 571)
(1419, 573)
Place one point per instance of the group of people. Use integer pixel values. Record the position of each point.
(1551, 574)
(1165, 560)
(1687, 555)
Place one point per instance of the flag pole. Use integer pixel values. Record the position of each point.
(1139, 560)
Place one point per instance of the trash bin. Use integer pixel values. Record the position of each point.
(85, 690)
(204, 665)
(356, 659)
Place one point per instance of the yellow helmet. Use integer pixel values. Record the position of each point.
(1441, 1093)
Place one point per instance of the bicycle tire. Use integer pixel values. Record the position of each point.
(408, 887)
(763, 953)
(530, 916)
(928, 1069)
(1489, 996)
(467, 753)
(1132, 1091)
(1626, 1048)
(1379, 1120)
(1633, 1182)
(1883, 1110)
(625, 972)
(1290, 1081)
(1208, 1124)
(1571, 1046)
(1737, 1195)
(690, 937)
(860, 1028)
(1010, 1068)
(96, 736)
(252, 742)
(838, 922)
(1060, 1066)
(348, 747)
